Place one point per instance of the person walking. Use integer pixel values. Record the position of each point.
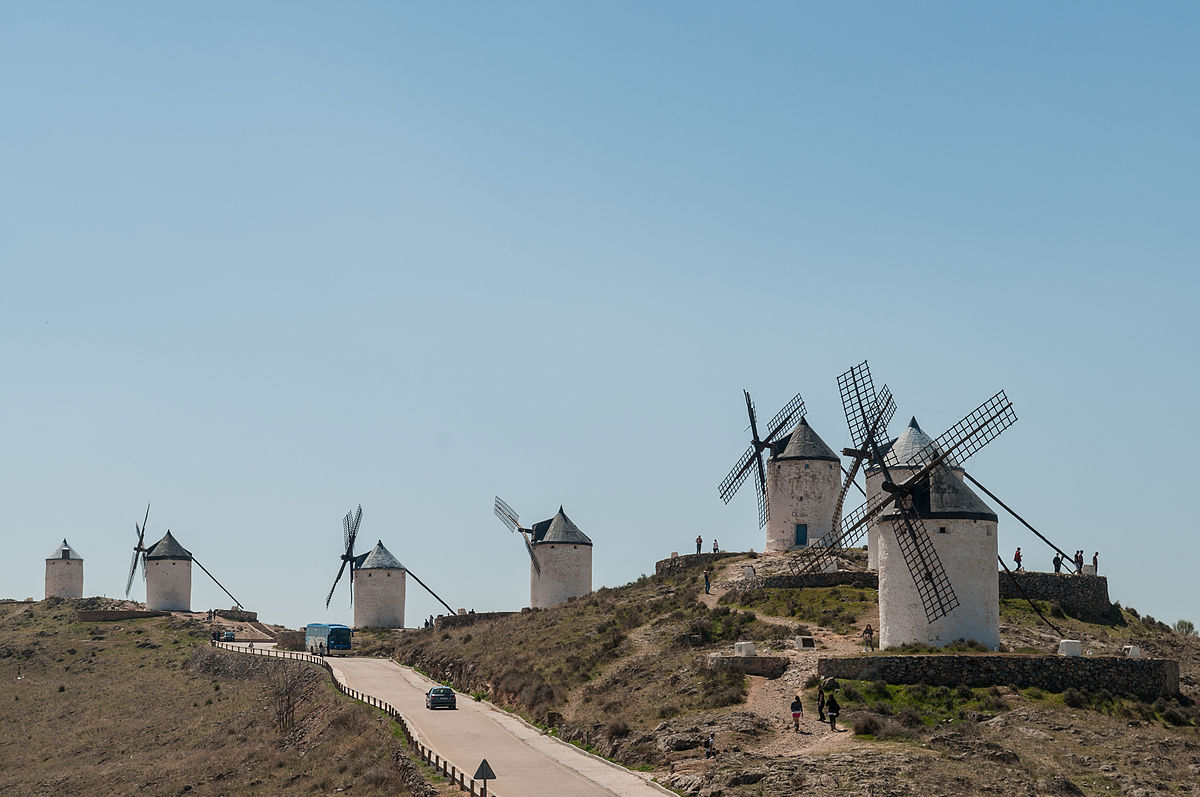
(1017, 557)
(710, 747)
(699, 543)
(868, 635)
(820, 704)
(797, 713)
(832, 709)
(1096, 563)
(715, 548)
(1057, 561)
(706, 584)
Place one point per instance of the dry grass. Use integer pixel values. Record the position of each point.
(145, 706)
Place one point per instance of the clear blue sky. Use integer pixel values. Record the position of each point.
(264, 262)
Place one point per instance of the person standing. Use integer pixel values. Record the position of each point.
(699, 542)
(1079, 562)
(820, 703)
(706, 584)
(1017, 557)
(715, 548)
(797, 713)
(832, 709)
(1096, 563)
(868, 638)
(1057, 561)
(710, 747)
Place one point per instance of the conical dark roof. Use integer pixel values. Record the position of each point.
(168, 548)
(804, 443)
(559, 528)
(944, 496)
(58, 551)
(378, 558)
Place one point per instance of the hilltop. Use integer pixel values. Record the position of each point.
(146, 706)
(621, 672)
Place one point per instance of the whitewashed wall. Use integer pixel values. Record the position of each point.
(379, 598)
(800, 491)
(967, 550)
(566, 573)
(169, 585)
(64, 578)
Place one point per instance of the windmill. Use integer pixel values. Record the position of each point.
(753, 456)
(349, 533)
(139, 551)
(167, 548)
(508, 516)
(867, 413)
(350, 524)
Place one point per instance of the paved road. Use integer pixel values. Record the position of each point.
(526, 762)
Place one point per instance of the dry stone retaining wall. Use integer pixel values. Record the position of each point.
(1146, 678)
(101, 615)
(677, 564)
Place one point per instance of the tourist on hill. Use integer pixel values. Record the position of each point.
(1096, 563)
(820, 704)
(868, 635)
(832, 709)
(715, 548)
(1017, 557)
(699, 543)
(706, 585)
(710, 748)
(797, 713)
(1079, 561)
(1057, 561)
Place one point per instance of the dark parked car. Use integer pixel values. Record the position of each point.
(440, 696)
(229, 636)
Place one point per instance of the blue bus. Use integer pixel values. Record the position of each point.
(327, 638)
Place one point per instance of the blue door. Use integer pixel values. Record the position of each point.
(802, 534)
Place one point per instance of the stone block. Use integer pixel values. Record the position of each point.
(806, 642)
(1132, 652)
(831, 567)
(1070, 647)
(1089, 570)
(744, 649)
(748, 571)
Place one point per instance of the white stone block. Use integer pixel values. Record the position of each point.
(674, 554)
(748, 571)
(1070, 647)
(830, 567)
(744, 649)
(1132, 652)
(1089, 570)
(805, 642)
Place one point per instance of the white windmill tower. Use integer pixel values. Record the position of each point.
(380, 599)
(64, 573)
(560, 557)
(938, 532)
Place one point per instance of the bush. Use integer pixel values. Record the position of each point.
(850, 693)
(910, 718)
(616, 728)
(883, 708)
(963, 692)
(1074, 698)
(1056, 608)
(867, 724)
(1175, 717)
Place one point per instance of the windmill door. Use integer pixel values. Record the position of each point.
(802, 534)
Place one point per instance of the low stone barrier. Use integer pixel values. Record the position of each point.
(1085, 597)
(108, 615)
(766, 666)
(237, 615)
(843, 578)
(677, 564)
(1145, 678)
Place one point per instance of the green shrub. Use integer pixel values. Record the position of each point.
(1074, 698)
(867, 724)
(910, 718)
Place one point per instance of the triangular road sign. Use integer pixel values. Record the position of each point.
(485, 771)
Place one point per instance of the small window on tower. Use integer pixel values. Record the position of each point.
(941, 529)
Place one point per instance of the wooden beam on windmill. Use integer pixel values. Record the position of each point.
(508, 516)
(752, 459)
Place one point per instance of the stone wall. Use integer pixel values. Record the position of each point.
(290, 640)
(844, 578)
(101, 615)
(766, 666)
(1146, 678)
(1085, 597)
(678, 564)
(237, 615)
